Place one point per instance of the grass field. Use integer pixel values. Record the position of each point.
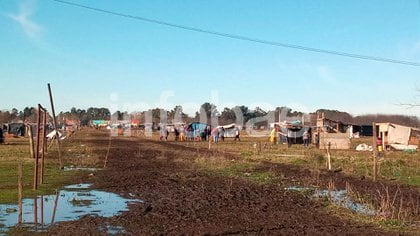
(395, 166)
(16, 150)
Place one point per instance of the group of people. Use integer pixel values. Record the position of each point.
(276, 133)
(184, 134)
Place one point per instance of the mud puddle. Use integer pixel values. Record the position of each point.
(339, 197)
(69, 204)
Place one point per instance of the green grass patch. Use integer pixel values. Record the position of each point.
(54, 178)
(413, 180)
(298, 161)
(247, 154)
(393, 223)
(259, 177)
(16, 150)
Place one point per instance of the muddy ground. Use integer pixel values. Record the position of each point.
(179, 199)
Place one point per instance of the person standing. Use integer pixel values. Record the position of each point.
(273, 136)
(182, 134)
(222, 134)
(176, 134)
(237, 133)
(215, 134)
(164, 133)
(289, 137)
(167, 134)
(306, 138)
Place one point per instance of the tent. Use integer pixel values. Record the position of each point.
(230, 130)
(195, 129)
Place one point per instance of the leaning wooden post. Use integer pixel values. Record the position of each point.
(31, 141)
(20, 188)
(375, 151)
(37, 147)
(107, 152)
(44, 122)
(55, 126)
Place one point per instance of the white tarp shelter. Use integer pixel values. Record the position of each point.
(230, 130)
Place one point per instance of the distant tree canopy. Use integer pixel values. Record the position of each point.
(86, 116)
(28, 114)
(228, 115)
(412, 121)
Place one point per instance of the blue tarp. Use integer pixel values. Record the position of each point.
(197, 126)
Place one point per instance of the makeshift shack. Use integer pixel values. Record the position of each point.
(290, 132)
(398, 137)
(335, 134)
(293, 131)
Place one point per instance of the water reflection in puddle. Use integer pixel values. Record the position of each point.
(70, 204)
(112, 230)
(71, 168)
(339, 197)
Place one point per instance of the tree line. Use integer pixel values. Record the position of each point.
(207, 111)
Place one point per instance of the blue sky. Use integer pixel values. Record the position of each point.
(96, 59)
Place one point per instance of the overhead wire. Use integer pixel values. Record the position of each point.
(243, 38)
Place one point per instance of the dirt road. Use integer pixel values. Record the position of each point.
(181, 200)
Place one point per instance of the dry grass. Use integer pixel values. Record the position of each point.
(15, 150)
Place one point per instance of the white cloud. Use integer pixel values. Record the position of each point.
(26, 9)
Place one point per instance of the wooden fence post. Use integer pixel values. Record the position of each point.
(37, 148)
(31, 141)
(209, 143)
(375, 151)
(20, 189)
(329, 156)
